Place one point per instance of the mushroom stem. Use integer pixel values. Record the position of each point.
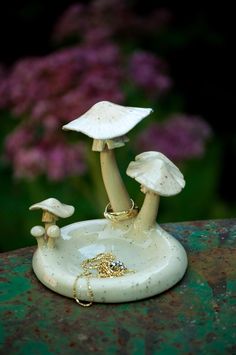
(146, 218)
(51, 243)
(40, 242)
(49, 220)
(47, 225)
(116, 191)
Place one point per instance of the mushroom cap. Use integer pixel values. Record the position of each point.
(157, 173)
(106, 120)
(55, 207)
(54, 232)
(37, 231)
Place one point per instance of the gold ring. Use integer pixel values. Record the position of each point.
(120, 215)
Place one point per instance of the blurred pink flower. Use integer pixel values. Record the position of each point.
(70, 23)
(39, 87)
(95, 36)
(180, 137)
(65, 160)
(97, 18)
(32, 154)
(21, 137)
(149, 72)
(29, 162)
(106, 18)
(50, 155)
(46, 92)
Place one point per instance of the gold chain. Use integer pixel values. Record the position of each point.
(102, 265)
(89, 292)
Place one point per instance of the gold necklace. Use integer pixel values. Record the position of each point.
(101, 266)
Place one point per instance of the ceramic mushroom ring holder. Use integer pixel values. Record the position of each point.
(125, 256)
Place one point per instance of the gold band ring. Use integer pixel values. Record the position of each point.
(120, 215)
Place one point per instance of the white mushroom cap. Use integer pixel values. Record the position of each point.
(157, 173)
(54, 232)
(55, 207)
(37, 231)
(106, 120)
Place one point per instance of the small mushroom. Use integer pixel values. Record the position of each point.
(53, 233)
(158, 176)
(52, 210)
(38, 232)
(108, 123)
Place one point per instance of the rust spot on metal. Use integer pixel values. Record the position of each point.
(215, 263)
(72, 345)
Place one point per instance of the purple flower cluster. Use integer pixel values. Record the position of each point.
(31, 157)
(148, 72)
(46, 92)
(180, 137)
(107, 18)
(63, 84)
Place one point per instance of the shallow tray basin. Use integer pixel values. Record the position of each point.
(157, 261)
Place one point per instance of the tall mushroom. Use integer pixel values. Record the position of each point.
(52, 210)
(108, 123)
(158, 176)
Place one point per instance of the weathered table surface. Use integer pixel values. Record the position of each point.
(197, 316)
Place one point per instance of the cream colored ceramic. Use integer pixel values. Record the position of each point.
(108, 123)
(52, 210)
(157, 259)
(158, 176)
(106, 120)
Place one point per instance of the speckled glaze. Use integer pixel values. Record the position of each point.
(158, 260)
(155, 260)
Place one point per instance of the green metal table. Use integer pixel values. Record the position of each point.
(197, 316)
